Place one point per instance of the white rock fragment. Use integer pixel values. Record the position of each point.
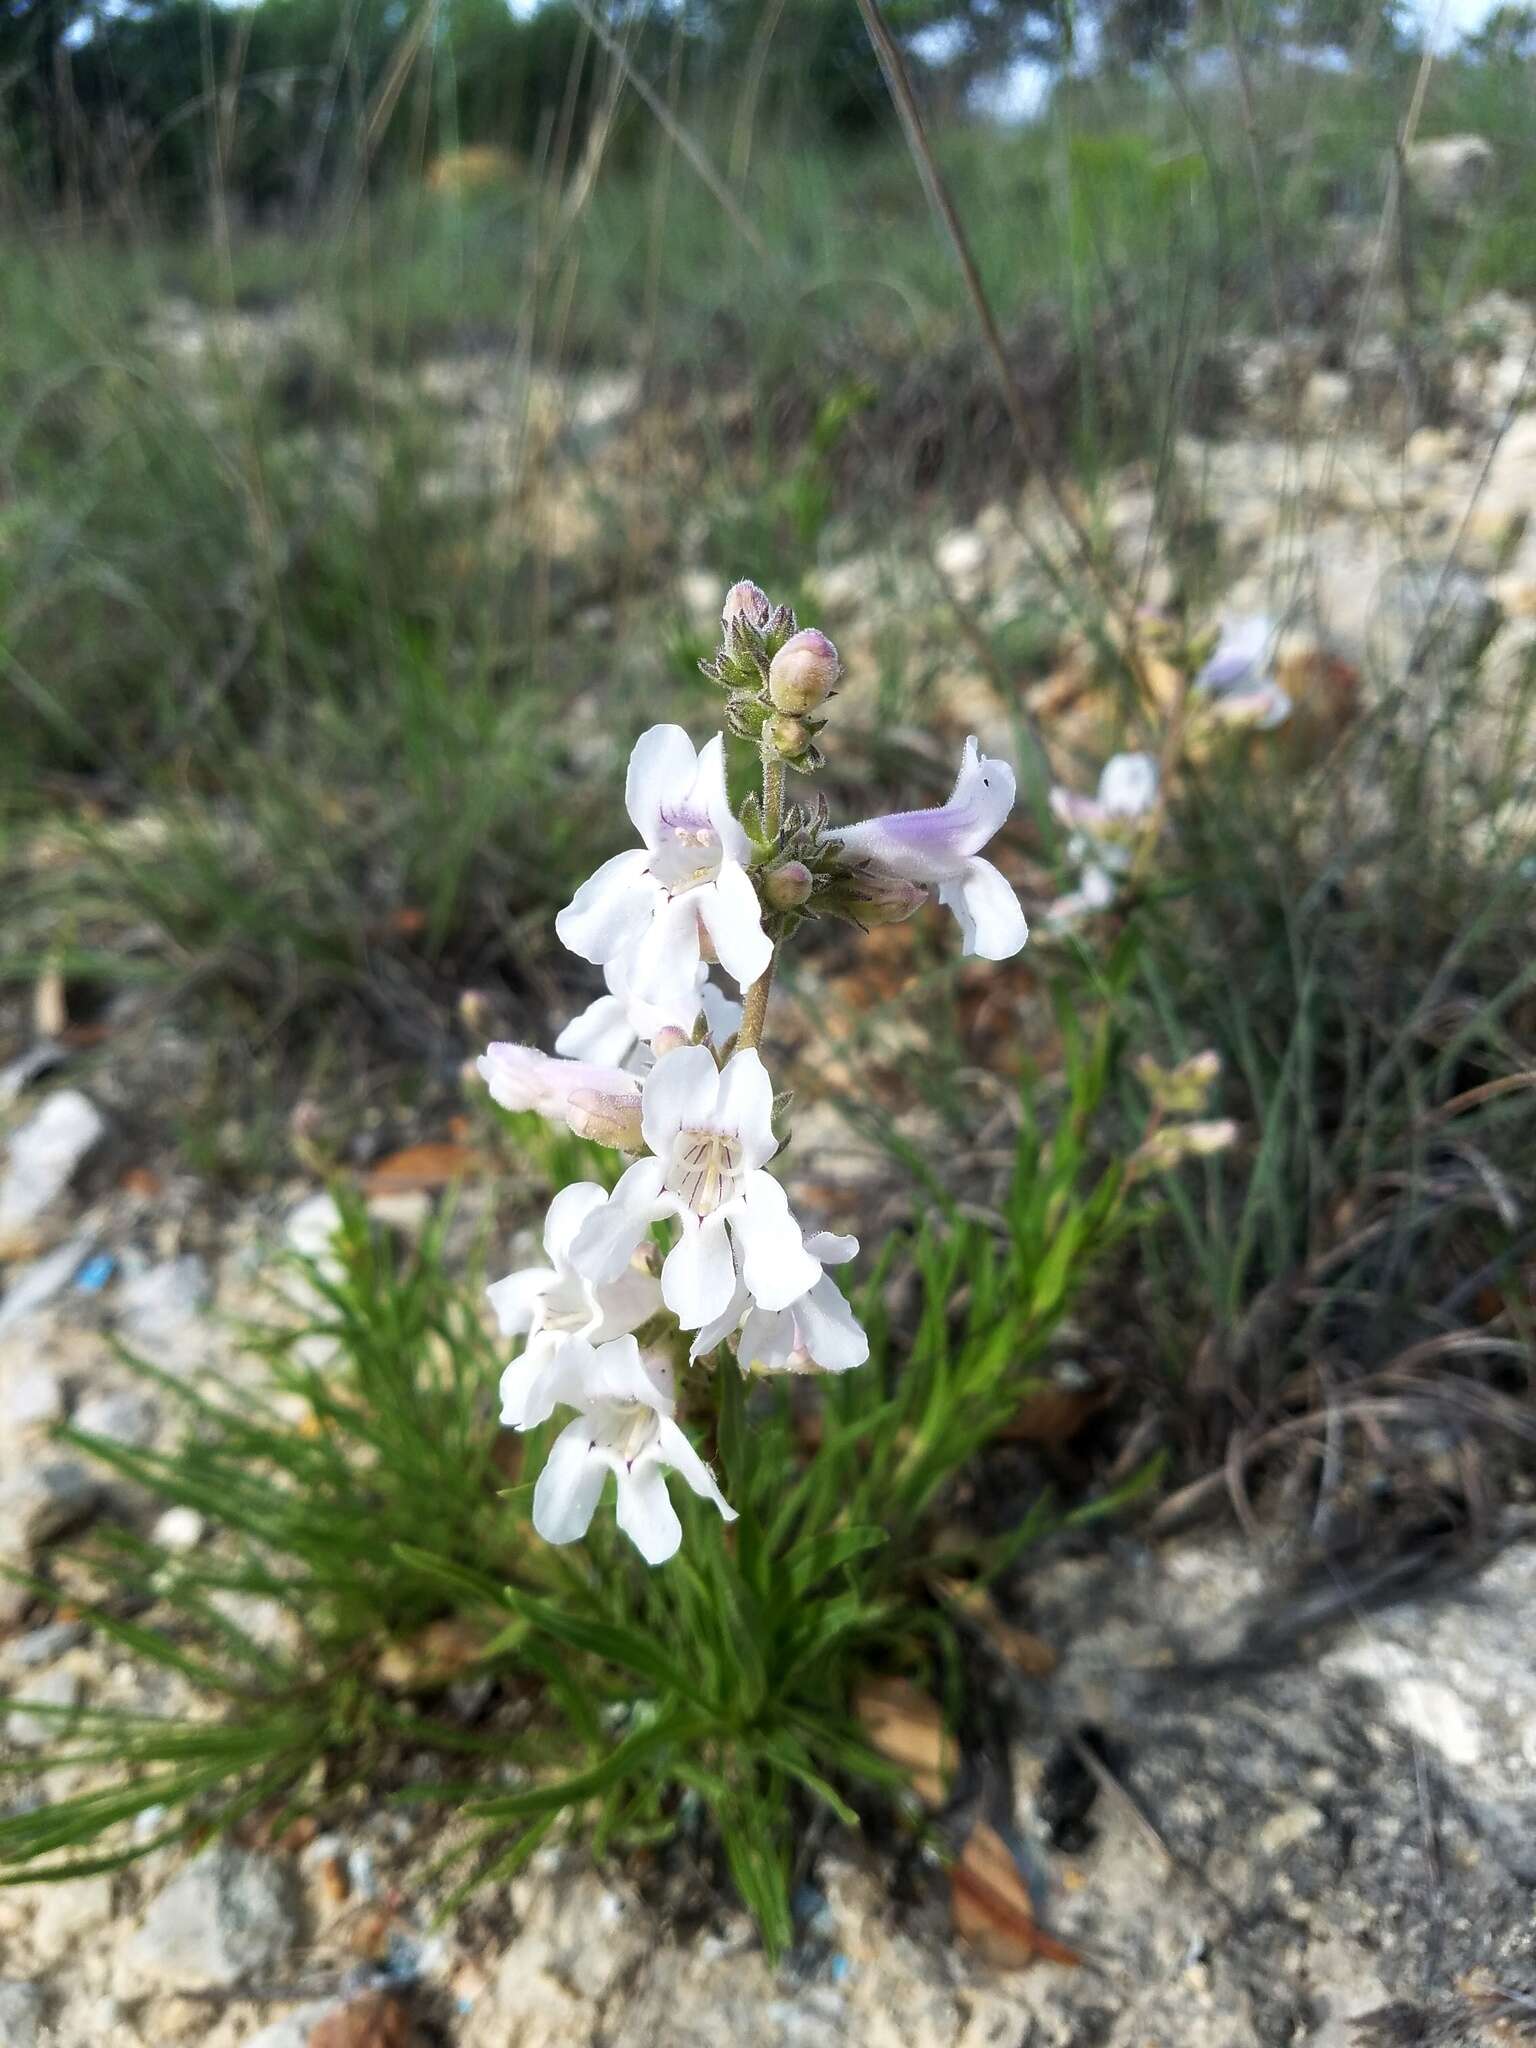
(180, 1529)
(30, 1396)
(40, 1646)
(37, 1284)
(41, 1502)
(65, 1913)
(21, 2015)
(228, 1916)
(58, 1691)
(45, 1154)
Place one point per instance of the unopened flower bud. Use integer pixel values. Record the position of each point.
(745, 601)
(601, 1103)
(668, 1039)
(803, 671)
(868, 897)
(475, 1012)
(1183, 1090)
(1168, 1148)
(787, 887)
(787, 736)
(606, 1119)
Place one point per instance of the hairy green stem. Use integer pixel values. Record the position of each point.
(755, 1009)
(773, 795)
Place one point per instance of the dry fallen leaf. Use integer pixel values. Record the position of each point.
(1016, 1646)
(1053, 1412)
(423, 1166)
(904, 1724)
(377, 2020)
(434, 1657)
(992, 1909)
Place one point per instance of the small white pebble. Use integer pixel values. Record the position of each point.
(180, 1529)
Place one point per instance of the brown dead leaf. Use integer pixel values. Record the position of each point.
(992, 1910)
(434, 1657)
(426, 1166)
(1016, 1646)
(141, 1180)
(377, 2020)
(369, 1933)
(1053, 1412)
(904, 1724)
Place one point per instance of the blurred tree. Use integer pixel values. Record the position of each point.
(1508, 36)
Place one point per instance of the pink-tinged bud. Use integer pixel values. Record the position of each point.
(802, 673)
(668, 1039)
(872, 898)
(745, 601)
(787, 887)
(601, 1103)
(787, 736)
(606, 1119)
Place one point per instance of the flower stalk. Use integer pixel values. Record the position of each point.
(615, 1327)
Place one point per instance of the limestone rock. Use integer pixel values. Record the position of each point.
(21, 2015)
(228, 1916)
(58, 1690)
(41, 1502)
(45, 1154)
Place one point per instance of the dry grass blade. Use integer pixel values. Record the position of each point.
(992, 1910)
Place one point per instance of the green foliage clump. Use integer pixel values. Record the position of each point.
(361, 1493)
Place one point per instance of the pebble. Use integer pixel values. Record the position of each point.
(21, 2015)
(40, 1646)
(66, 1912)
(35, 1285)
(33, 1398)
(180, 1529)
(43, 1501)
(229, 1915)
(19, 1074)
(58, 1689)
(311, 1228)
(45, 1154)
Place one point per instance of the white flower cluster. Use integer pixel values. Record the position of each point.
(665, 1066)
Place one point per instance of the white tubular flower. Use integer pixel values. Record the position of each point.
(626, 1427)
(817, 1333)
(597, 1102)
(692, 870)
(1106, 830)
(711, 1133)
(562, 1314)
(1236, 681)
(620, 1027)
(943, 847)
